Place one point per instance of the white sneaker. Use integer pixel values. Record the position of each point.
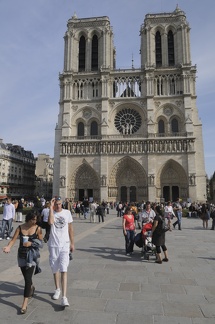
(56, 294)
(8, 238)
(64, 302)
(0, 238)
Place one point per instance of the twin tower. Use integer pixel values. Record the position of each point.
(129, 134)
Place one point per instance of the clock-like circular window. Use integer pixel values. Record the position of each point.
(127, 121)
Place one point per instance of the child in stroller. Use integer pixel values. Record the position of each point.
(144, 240)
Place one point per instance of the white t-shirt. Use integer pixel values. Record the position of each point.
(59, 234)
(168, 211)
(45, 214)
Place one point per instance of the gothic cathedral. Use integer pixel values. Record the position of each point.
(129, 134)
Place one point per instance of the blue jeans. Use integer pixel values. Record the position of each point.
(129, 241)
(179, 217)
(7, 223)
(86, 210)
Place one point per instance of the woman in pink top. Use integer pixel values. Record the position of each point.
(169, 213)
(128, 224)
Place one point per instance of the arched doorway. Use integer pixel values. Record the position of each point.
(128, 181)
(173, 181)
(85, 183)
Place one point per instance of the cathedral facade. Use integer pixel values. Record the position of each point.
(129, 134)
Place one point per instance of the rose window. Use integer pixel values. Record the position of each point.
(127, 121)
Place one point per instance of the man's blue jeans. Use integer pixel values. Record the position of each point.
(179, 217)
(7, 224)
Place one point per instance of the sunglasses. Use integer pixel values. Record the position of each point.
(57, 198)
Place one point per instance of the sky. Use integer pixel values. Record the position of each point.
(32, 51)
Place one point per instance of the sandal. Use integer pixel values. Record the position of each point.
(23, 310)
(165, 259)
(158, 261)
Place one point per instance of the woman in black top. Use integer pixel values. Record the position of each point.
(28, 253)
(158, 236)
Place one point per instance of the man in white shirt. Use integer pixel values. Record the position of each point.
(8, 217)
(148, 214)
(61, 242)
(147, 218)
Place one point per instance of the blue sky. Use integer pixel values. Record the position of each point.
(31, 57)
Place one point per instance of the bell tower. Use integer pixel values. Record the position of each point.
(88, 45)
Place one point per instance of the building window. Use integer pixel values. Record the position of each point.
(171, 55)
(82, 54)
(172, 86)
(127, 121)
(94, 128)
(80, 91)
(94, 63)
(174, 124)
(159, 87)
(95, 89)
(158, 49)
(80, 129)
(161, 127)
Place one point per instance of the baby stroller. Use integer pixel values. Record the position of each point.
(144, 240)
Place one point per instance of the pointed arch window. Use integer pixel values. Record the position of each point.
(159, 86)
(94, 63)
(95, 89)
(94, 128)
(172, 86)
(82, 54)
(80, 129)
(174, 124)
(171, 54)
(161, 127)
(158, 49)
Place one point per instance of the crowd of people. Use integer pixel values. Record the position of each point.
(56, 218)
(156, 218)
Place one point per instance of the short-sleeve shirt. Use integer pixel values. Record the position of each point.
(129, 223)
(45, 214)
(59, 234)
(148, 216)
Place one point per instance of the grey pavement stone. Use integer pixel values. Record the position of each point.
(177, 289)
(179, 309)
(126, 286)
(208, 310)
(92, 317)
(113, 294)
(108, 284)
(171, 320)
(92, 293)
(84, 284)
(134, 318)
(149, 296)
(188, 299)
(135, 307)
(203, 321)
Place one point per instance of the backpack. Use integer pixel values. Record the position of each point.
(164, 227)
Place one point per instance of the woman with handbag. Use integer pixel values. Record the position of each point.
(158, 236)
(30, 235)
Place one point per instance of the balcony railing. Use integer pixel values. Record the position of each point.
(125, 136)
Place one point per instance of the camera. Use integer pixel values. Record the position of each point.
(70, 256)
